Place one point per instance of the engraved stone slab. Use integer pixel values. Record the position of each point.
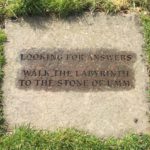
(64, 71)
(87, 73)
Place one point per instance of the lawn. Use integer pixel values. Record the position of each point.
(26, 138)
(2, 62)
(63, 8)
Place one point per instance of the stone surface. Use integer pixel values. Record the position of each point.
(59, 70)
(103, 113)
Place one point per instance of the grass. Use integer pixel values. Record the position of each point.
(2, 62)
(63, 8)
(146, 25)
(26, 138)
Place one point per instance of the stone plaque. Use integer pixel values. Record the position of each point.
(89, 74)
(64, 70)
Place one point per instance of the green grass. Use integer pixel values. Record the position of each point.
(2, 62)
(25, 138)
(146, 25)
(61, 8)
